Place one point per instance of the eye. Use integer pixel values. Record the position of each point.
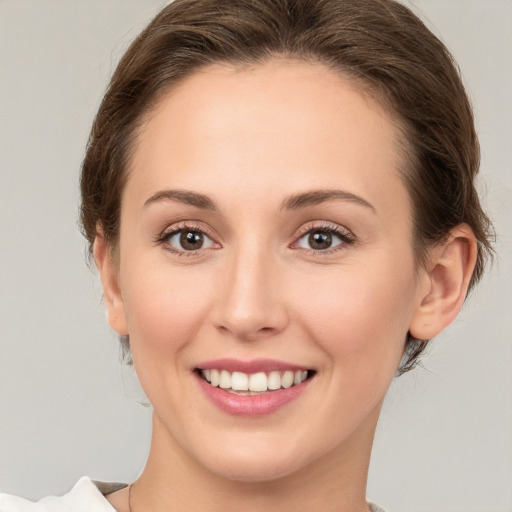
(324, 239)
(186, 240)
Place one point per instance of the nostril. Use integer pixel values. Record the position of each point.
(247, 332)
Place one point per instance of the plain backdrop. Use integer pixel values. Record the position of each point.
(67, 405)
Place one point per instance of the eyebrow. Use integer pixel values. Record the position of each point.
(314, 197)
(294, 202)
(184, 196)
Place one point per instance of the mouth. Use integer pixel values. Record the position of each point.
(258, 387)
(253, 384)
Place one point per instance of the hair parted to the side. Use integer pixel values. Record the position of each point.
(380, 44)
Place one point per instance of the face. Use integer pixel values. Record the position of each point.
(266, 242)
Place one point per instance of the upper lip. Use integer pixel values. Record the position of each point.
(253, 366)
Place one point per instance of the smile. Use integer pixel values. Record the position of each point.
(254, 383)
(252, 388)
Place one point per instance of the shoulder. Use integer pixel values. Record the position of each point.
(375, 508)
(85, 496)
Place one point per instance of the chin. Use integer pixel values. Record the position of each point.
(254, 471)
(255, 462)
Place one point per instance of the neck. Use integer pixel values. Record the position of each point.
(173, 480)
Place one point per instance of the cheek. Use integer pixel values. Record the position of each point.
(164, 310)
(360, 314)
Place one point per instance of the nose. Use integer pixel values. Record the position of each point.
(250, 304)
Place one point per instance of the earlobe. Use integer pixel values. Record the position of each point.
(446, 281)
(109, 276)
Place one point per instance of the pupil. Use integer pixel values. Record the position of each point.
(319, 240)
(191, 240)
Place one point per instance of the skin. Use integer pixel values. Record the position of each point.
(251, 139)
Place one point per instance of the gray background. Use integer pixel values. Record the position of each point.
(68, 408)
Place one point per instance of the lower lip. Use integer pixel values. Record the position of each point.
(247, 405)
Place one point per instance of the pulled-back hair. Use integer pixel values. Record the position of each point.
(379, 44)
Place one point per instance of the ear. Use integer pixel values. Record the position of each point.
(109, 275)
(446, 282)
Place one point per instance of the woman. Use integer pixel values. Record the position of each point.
(279, 197)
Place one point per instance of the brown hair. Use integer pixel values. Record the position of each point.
(379, 43)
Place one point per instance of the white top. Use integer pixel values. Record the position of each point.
(86, 496)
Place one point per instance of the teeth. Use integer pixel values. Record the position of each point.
(258, 382)
(287, 379)
(274, 380)
(239, 381)
(255, 382)
(214, 374)
(225, 380)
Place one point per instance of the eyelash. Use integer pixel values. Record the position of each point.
(344, 235)
(166, 236)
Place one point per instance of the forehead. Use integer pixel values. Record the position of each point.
(290, 124)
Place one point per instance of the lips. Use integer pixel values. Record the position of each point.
(251, 388)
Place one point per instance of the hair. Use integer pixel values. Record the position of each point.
(379, 44)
